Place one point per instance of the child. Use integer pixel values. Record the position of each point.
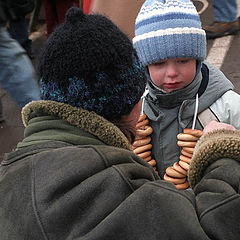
(172, 46)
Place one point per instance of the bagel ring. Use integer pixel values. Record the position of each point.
(144, 154)
(174, 180)
(142, 124)
(194, 132)
(141, 142)
(187, 154)
(143, 132)
(178, 168)
(188, 149)
(186, 144)
(184, 165)
(142, 117)
(152, 162)
(185, 159)
(171, 172)
(187, 137)
(182, 186)
(142, 149)
(147, 159)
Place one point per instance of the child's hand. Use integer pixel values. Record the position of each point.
(214, 125)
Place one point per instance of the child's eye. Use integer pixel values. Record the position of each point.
(183, 61)
(160, 63)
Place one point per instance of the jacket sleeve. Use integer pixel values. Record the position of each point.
(226, 108)
(214, 176)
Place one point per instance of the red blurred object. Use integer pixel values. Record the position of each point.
(55, 12)
(87, 6)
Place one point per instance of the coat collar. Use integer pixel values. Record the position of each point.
(82, 119)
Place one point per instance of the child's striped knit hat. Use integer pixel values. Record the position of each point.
(169, 29)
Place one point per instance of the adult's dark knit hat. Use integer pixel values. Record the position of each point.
(88, 62)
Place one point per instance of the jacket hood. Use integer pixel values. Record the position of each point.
(185, 98)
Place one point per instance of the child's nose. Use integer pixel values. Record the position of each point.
(172, 70)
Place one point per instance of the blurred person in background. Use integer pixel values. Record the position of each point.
(18, 26)
(226, 20)
(122, 12)
(55, 11)
(17, 74)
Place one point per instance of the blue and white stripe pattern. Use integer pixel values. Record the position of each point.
(169, 29)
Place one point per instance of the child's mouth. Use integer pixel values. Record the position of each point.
(172, 85)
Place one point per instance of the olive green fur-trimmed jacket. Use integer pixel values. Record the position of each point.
(74, 176)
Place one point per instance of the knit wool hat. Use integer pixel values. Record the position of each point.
(88, 62)
(169, 29)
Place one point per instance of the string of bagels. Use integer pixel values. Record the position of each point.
(176, 174)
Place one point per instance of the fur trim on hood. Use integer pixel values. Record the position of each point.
(83, 119)
(211, 147)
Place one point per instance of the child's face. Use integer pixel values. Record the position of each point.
(173, 74)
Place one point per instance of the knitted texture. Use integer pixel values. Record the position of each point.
(169, 29)
(211, 147)
(87, 62)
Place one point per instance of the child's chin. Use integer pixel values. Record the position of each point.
(170, 90)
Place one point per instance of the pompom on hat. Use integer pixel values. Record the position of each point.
(88, 62)
(169, 29)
